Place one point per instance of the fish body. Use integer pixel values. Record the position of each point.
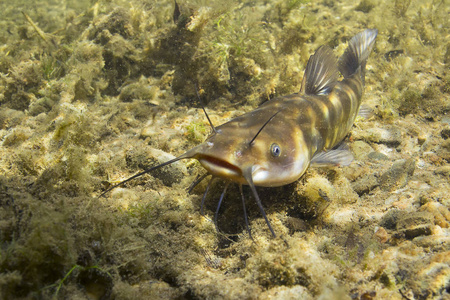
(300, 126)
(275, 144)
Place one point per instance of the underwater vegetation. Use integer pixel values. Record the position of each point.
(93, 92)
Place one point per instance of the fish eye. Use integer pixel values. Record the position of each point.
(275, 150)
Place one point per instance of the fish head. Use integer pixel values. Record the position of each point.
(255, 147)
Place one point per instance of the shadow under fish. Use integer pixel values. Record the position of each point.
(275, 144)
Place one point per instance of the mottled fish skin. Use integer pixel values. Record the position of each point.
(306, 123)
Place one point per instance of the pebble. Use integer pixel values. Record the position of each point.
(433, 242)
(414, 224)
(148, 131)
(170, 174)
(445, 133)
(421, 139)
(398, 175)
(377, 156)
(360, 150)
(390, 136)
(446, 145)
(444, 150)
(381, 235)
(295, 224)
(445, 171)
(440, 213)
(365, 184)
(389, 219)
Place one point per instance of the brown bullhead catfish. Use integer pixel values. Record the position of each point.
(275, 144)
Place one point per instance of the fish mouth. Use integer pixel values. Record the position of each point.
(222, 168)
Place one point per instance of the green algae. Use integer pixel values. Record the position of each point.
(92, 91)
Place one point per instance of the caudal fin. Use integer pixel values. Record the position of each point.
(357, 52)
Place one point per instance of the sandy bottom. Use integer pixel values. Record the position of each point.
(91, 94)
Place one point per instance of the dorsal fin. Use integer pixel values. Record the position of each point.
(357, 52)
(321, 73)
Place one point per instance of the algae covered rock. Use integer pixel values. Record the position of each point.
(415, 224)
(390, 136)
(92, 92)
(398, 175)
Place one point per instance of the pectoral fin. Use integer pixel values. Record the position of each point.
(365, 111)
(338, 157)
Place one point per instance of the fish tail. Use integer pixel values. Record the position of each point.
(355, 56)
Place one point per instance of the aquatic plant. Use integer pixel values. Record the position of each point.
(76, 268)
(87, 90)
(196, 132)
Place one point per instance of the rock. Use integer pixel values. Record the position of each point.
(365, 6)
(170, 174)
(444, 150)
(148, 131)
(398, 175)
(295, 224)
(422, 138)
(444, 170)
(445, 133)
(377, 156)
(440, 213)
(389, 220)
(286, 292)
(381, 235)
(365, 184)
(390, 136)
(360, 150)
(140, 90)
(314, 197)
(433, 242)
(446, 145)
(415, 224)
(10, 118)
